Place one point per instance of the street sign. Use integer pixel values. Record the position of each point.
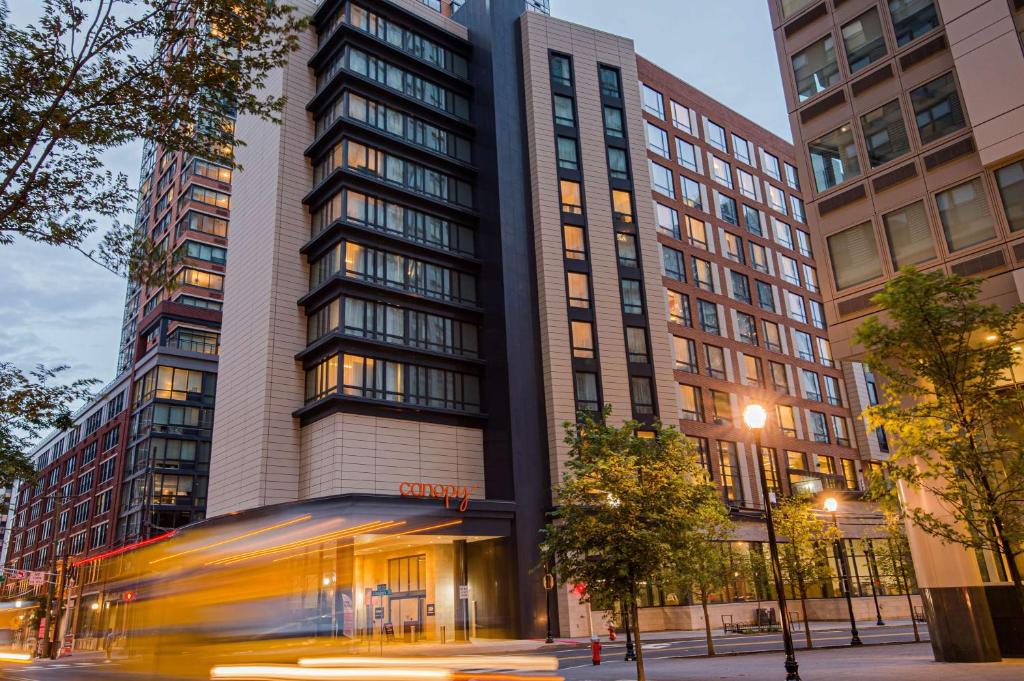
(378, 613)
(381, 590)
(36, 578)
(463, 592)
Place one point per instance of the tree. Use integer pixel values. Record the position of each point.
(807, 539)
(702, 564)
(955, 419)
(29, 405)
(622, 510)
(86, 78)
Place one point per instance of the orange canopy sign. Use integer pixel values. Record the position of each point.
(428, 490)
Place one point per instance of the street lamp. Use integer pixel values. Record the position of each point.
(831, 506)
(755, 416)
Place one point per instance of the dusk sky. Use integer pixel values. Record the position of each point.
(58, 308)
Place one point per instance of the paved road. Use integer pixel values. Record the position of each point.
(580, 656)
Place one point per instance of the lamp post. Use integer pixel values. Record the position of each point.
(630, 648)
(755, 417)
(549, 586)
(831, 506)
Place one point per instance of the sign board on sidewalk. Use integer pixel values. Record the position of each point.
(463, 592)
(36, 578)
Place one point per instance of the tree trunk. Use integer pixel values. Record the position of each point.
(707, 622)
(640, 676)
(910, 601)
(807, 622)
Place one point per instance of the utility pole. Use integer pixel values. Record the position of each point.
(51, 585)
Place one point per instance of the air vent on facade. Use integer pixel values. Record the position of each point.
(894, 177)
(861, 302)
(804, 19)
(931, 47)
(871, 80)
(839, 200)
(983, 263)
(1018, 249)
(947, 154)
(818, 108)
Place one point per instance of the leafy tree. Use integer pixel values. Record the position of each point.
(702, 566)
(622, 510)
(29, 405)
(807, 538)
(86, 78)
(954, 418)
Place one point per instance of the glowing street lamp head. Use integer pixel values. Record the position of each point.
(831, 505)
(755, 416)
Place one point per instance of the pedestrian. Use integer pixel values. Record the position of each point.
(108, 644)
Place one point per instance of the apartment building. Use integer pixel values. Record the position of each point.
(909, 130)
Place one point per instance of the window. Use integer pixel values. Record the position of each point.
(572, 200)
(884, 134)
(912, 19)
(788, 268)
(702, 274)
(908, 235)
(579, 290)
(636, 345)
(804, 347)
(733, 247)
(107, 469)
(632, 299)
(391, 381)
(809, 380)
(795, 307)
(754, 375)
(791, 7)
(582, 340)
(609, 81)
(89, 453)
(214, 254)
(642, 395)
(937, 108)
(201, 279)
(657, 140)
(832, 393)
(746, 328)
(697, 232)
(854, 256)
(618, 164)
(625, 248)
(819, 433)
(842, 432)
(787, 420)
(686, 354)
(758, 256)
(715, 135)
(728, 467)
(771, 166)
(721, 171)
(765, 298)
(110, 439)
(798, 209)
(103, 501)
(567, 154)
(613, 126)
(810, 278)
(708, 317)
(752, 220)
(675, 264)
(825, 352)
(727, 209)
(99, 536)
(686, 155)
(691, 193)
(776, 199)
(721, 406)
(714, 358)
(783, 234)
(780, 377)
(792, 177)
(815, 68)
(682, 118)
(654, 103)
(1010, 180)
(564, 114)
(679, 308)
(575, 242)
(740, 287)
(622, 206)
(691, 406)
(586, 392)
(80, 513)
(863, 40)
(965, 216)
(803, 243)
(561, 71)
(748, 185)
(834, 158)
(661, 180)
(817, 314)
(668, 221)
(741, 149)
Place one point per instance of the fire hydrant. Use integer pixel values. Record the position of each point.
(611, 632)
(595, 649)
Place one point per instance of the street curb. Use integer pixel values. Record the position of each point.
(798, 650)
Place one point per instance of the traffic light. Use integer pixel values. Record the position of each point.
(129, 596)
